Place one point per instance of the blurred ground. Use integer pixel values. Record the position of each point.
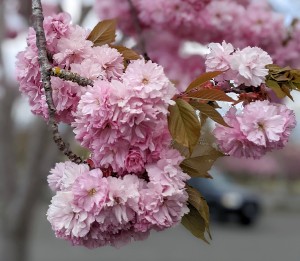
(276, 237)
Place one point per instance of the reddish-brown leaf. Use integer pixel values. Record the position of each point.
(205, 77)
(128, 54)
(211, 95)
(210, 112)
(103, 33)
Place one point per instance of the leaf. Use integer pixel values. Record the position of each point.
(197, 220)
(128, 54)
(285, 88)
(184, 125)
(201, 161)
(211, 95)
(203, 118)
(195, 224)
(205, 77)
(276, 88)
(199, 203)
(210, 112)
(103, 33)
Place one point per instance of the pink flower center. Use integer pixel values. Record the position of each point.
(145, 81)
(92, 192)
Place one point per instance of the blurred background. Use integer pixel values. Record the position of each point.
(255, 205)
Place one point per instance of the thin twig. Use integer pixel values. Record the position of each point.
(138, 29)
(45, 69)
(70, 76)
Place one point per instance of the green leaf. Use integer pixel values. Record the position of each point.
(210, 95)
(201, 161)
(184, 125)
(103, 33)
(205, 77)
(210, 112)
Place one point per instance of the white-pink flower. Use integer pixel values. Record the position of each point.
(74, 48)
(63, 175)
(263, 122)
(261, 127)
(250, 66)
(90, 191)
(65, 218)
(219, 56)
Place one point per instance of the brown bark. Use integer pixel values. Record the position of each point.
(45, 69)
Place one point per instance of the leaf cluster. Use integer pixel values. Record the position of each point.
(283, 80)
(186, 120)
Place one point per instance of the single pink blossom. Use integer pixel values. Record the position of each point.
(90, 191)
(250, 65)
(63, 175)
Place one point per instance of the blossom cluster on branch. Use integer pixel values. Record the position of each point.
(242, 23)
(143, 134)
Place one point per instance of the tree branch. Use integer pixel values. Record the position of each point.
(45, 68)
(70, 76)
(138, 29)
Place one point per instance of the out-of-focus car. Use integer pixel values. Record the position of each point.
(227, 200)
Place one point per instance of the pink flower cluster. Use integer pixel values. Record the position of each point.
(242, 23)
(261, 127)
(124, 122)
(93, 210)
(137, 184)
(68, 49)
(246, 66)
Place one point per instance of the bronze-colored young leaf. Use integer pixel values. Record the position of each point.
(210, 95)
(210, 112)
(199, 203)
(285, 88)
(128, 54)
(184, 124)
(276, 88)
(195, 224)
(205, 77)
(103, 33)
(199, 165)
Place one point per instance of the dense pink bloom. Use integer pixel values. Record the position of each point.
(110, 60)
(90, 191)
(115, 118)
(94, 211)
(264, 123)
(135, 161)
(261, 26)
(250, 63)
(66, 218)
(67, 44)
(261, 127)
(219, 57)
(233, 142)
(148, 81)
(63, 175)
(246, 66)
(74, 48)
(134, 183)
